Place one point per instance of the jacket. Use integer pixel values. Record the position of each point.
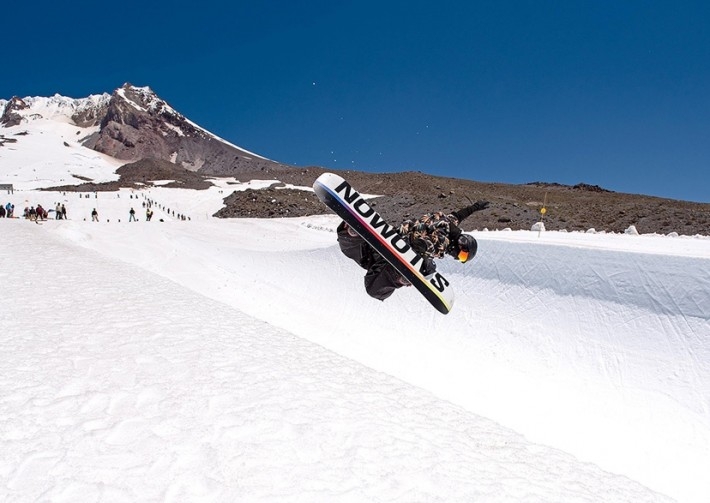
(434, 234)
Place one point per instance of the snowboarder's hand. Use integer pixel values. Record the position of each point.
(428, 267)
(480, 205)
(418, 245)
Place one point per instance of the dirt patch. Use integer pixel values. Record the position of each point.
(410, 194)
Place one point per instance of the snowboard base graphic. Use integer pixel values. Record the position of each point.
(344, 200)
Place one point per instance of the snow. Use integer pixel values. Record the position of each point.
(46, 151)
(241, 360)
(58, 108)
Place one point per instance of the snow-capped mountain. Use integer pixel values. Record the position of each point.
(129, 125)
(84, 112)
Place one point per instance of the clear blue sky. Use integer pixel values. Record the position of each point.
(607, 92)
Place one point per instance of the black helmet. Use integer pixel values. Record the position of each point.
(466, 248)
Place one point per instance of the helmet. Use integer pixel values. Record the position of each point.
(466, 248)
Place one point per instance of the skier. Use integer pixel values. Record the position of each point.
(132, 215)
(94, 215)
(432, 236)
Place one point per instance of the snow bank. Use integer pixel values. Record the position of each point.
(124, 386)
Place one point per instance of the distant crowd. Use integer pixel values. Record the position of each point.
(38, 213)
(7, 211)
(34, 213)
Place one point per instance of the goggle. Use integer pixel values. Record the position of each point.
(462, 256)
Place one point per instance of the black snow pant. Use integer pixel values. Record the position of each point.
(381, 279)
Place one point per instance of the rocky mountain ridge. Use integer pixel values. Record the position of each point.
(581, 207)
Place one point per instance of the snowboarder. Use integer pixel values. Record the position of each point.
(432, 236)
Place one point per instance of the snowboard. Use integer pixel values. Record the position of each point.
(352, 207)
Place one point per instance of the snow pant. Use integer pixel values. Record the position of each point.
(381, 279)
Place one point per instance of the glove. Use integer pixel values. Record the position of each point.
(428, 267)
(480, 205)
(418, 245)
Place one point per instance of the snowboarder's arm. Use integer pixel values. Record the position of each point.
(466, 212)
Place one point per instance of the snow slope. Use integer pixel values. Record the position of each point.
(121, 385)
(45, 150)
(586, 347)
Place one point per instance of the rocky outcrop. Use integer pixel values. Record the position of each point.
(10, 117)
(137, 125)
(90, 116)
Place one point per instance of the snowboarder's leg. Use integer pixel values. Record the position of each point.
(353, 246)
(382, 279)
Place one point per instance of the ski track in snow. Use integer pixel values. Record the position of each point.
(120, 385)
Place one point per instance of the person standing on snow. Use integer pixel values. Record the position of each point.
(432, 236)
(132, 215)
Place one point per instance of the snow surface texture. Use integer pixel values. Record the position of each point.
(241, 360)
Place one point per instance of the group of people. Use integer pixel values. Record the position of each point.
(148, 205)
(7, 211)
(34, 213)
(60, 212)
(131, 215)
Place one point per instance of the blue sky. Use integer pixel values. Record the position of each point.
(613, 93)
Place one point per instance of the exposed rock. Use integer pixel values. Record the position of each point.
(411, 194)
(137, 124)
(271, 202)
(590, 188)
(91, 115)
(142, 174)
(10, 117)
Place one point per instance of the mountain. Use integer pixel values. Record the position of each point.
(133, 124)
(135, 130)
